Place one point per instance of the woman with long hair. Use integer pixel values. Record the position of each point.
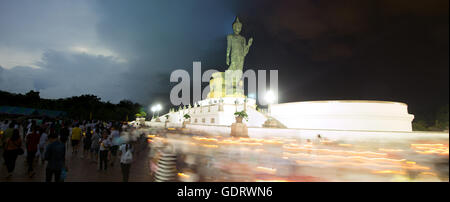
(105, 145)
(13, 148)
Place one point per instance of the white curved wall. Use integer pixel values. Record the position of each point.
(345, 115)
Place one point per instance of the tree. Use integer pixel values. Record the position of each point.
(141, 114)
(187, 116)
(77, 107)
(241, 114)
(442, 118)
(33, 98)
(419, 126)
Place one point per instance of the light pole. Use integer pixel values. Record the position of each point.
(153, 109)
(270, 122)
(270, 99)
(158, 108)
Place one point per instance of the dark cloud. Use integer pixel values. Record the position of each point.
(64, 74)
(161, 36)
(415, 7)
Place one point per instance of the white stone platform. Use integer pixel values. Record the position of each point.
(345, 115)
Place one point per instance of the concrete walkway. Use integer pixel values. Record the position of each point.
(81, 170)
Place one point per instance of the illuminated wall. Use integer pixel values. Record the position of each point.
(208, 113)
(344, 115)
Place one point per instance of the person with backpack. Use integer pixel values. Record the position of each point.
(126, 159)
(13, 148)
(8, 132)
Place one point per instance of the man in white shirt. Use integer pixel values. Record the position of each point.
(126, 151)
(42, 143)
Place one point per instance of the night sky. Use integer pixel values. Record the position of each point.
(324, 50)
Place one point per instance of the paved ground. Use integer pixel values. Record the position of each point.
(81, 170)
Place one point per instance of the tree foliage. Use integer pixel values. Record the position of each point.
(440, 121)
(419, 126)
(442, 118)
(242, 114)
(77, 107)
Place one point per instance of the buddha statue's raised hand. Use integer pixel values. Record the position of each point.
(250, 42)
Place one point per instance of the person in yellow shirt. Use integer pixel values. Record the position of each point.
(76, 139)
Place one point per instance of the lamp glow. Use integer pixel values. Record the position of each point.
(158, 107)
(270, 97)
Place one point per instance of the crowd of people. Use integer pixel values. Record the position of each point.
(47, 141)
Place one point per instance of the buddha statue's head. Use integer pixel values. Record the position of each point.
(237, 26)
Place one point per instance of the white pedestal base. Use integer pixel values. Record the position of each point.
(239, 130)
